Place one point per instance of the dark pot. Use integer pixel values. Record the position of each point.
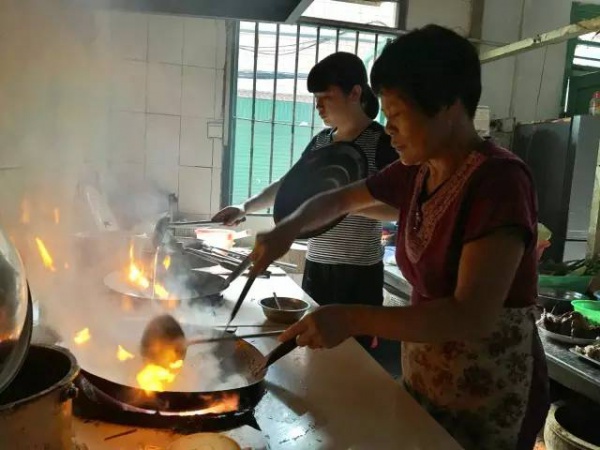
(35, 409)
(557, 301)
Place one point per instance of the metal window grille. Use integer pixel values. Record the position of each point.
(273, 114)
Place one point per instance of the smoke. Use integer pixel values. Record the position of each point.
(55, 95)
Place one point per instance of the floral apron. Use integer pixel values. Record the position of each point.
(478, 390)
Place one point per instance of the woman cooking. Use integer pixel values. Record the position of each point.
(343, 265)
(467, 217)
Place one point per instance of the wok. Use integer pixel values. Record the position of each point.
(330, 167)
(209, 373)
(184, 285)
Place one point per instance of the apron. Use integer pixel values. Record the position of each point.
(478, 390)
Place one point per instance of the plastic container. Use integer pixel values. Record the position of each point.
(595, 104)
(217, 237)
(588, 308)
(567, 282)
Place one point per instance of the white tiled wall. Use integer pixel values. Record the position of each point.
(168, 85)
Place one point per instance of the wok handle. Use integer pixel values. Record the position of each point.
(280, 351)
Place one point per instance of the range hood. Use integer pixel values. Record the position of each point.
(288, 11)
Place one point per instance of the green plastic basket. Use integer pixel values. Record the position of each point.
(567, 282)
(589, 308)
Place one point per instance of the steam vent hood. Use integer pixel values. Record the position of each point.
(252, 10)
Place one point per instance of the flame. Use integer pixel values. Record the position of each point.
(154, 378)
(176, 365)
(161, 292)
(25, 211)
(45, 254)
(56, 216)
(167, 262)
(222, 404)
(136, 275)
(82, 336)
(123, 355)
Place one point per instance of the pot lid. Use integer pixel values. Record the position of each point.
(329, 167)
(16, 312)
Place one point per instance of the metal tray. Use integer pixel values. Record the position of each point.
(566, 339)
(587, 358)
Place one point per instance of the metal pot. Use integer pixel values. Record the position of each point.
(570, 428)
(35, 410)
(557, 301)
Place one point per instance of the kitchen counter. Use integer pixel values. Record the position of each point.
(330, 399)
(563, 366)
(572, 371)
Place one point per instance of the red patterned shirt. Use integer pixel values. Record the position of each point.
(492, 189)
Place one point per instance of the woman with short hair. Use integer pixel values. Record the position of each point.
(467, 218)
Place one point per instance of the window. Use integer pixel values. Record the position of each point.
(583, 53)
(273, 116)
(372, 13)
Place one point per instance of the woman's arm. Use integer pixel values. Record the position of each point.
(486, 272)
(382, 211)
(315, 213)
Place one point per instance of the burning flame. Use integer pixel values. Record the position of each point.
(123, 355)
(222, 404)
(160, 291)
(82, 336)
(167, 262)
(45, 254)
(25, 211)
(176, 365)
(154, 378)
(136, 275)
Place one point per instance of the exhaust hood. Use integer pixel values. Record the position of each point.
(288, 11)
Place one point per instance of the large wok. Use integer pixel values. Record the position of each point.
(209, 373)
(184, 283)
(330, 167)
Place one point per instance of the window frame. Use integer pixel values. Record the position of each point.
(227, 178)
(579, 11)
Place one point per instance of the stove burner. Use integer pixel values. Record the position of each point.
(90, 406)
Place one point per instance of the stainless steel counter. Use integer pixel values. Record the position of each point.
(329, 399)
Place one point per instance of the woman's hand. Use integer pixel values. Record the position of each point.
(326, 327)
(271, 246)
(230, 215)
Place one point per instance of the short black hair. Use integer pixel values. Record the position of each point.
(431, 67)
(344, 70)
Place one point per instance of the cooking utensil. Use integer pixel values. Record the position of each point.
(240, 371)
(330, 167)
(276, 300)
(586, 357)
(289, 310)
(16, 312)
(242, 296)
(197, 284)
(225, 258)
(565, 339)
(162, 236)
(164, 342)
(35, 412)
(557, 301)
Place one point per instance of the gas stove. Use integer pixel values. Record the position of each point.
(107, 423)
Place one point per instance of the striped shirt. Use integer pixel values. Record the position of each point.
(356, 240)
